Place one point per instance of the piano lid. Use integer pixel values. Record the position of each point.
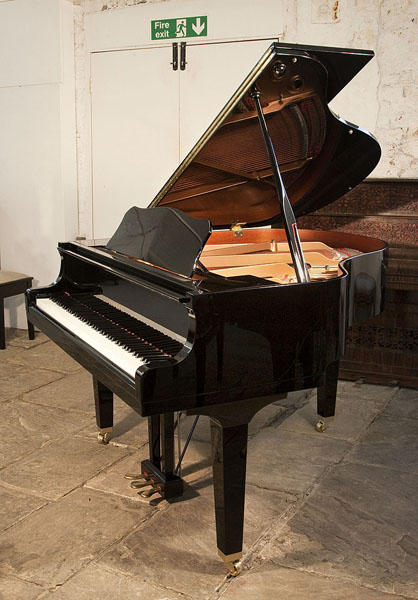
(227, 176)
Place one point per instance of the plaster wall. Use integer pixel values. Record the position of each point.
(38, 203)
(382, 98)
(384, 95)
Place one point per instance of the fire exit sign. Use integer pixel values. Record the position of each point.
(179, 28)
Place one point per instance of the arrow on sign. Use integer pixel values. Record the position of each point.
(199, 27)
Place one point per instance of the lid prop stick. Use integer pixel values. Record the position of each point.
(288, 216)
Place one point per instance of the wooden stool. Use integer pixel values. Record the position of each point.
(10, 285)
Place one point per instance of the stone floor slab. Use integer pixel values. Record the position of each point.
(129, 428)
(60, 466)
(15, 505)
(181, 541)
(20, 339)
(290, 461)
(56, 541)
(73, 392)
(47, 356)
(404, 404)
(381, 394)
(16, 589)
(26, 427)
(389, 442)
(360, 525)
(16, 379)
(112, 479)
(272, 582)
(353, 415)
(197, 463)
(110, 584)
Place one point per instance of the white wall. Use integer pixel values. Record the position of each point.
(38, 203)
(124, 24)
(383, 98)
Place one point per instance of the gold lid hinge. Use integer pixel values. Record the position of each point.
(237, 229)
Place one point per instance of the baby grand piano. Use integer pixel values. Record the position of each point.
(197, 305)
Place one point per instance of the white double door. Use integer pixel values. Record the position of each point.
(146, 117)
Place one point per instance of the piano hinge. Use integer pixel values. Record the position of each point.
(237, 229)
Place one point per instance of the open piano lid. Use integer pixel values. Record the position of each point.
(227, 177)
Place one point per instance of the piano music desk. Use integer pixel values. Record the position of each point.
(12, 284)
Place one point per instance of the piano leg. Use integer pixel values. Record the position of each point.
(103, 400)
(229, 450)
(326, 397)
(229, 432)
(158, 471)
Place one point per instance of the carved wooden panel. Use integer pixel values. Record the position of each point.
(384, 349)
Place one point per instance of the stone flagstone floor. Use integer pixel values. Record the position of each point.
(328, 516)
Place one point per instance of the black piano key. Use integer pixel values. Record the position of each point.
(132, 334)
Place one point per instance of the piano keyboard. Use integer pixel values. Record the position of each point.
(124, 340)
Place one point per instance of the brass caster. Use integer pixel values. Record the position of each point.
(321, 426)
(323, 423)
(234, 567)
(103, 438)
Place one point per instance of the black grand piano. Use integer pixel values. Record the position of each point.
(211, 301)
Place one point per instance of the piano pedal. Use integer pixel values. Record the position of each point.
(323, 423)
(103, 435)
(135, 476)
(148, 493)
(136, 485)
(167, 485)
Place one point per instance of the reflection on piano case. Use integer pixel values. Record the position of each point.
(190, 308)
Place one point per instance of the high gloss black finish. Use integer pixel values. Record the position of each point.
(245, 340)
(159, 469)
(103, 401)
(243, 337)
(288, 217)
(154, 440)
(152, 234)
(229, 452)
(12, 288)
(211, 184)
(327, 392)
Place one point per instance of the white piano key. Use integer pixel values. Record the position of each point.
(112, 351)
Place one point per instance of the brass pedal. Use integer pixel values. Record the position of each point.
(139, 484)
(135, 476)
(148, 493)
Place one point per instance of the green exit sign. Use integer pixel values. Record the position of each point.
(179, 28)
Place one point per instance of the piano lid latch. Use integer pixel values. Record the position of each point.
(237, 229)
